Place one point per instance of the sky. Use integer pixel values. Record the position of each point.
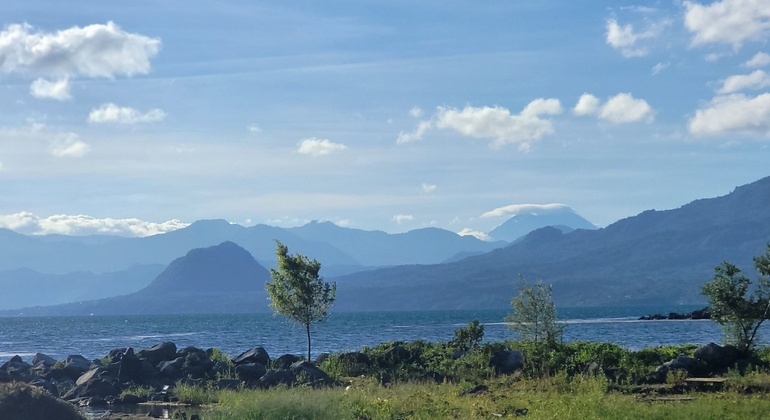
(136, 118)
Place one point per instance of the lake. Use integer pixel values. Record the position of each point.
(94, 336)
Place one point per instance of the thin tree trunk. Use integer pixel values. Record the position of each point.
(307, 328)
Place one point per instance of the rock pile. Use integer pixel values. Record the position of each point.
(111, 379)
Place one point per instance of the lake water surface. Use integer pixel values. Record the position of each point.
(93, 337)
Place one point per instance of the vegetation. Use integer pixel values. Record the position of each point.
(298, 292)
(740, 314)
(534, 314)
(20, 401)
(468, 338)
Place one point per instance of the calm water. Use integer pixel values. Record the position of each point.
(93, 337)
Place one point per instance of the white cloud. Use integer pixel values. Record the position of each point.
(475, 233)
(29, 223)
(319, 147)
(728, 21)
(656, 69)
(111, 113)
(587, 105)
(401, 218)
(68, 145)
(619, 109)
(515, 209)
(59, 89)
(756, 80)
(253, 129)
(499, 125)
(416, 112)
(417, 134)
(624, 108)
(759, 59)
(100, 50)
(428, 188)
(624, 39)
(733, 113)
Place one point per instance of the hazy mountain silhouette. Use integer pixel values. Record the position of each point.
(219, 279)
(654, 257)
(528, 220)
(377, 248)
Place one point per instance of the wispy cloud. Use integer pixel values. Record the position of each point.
(319, 147)
(402, 218)
(756, 80)
(619, 109)
(475, 233)
(428, 188)
(68, 145)
(64, 224)
(111, 113)
(46, 89)
(759, 59)
(515, 209)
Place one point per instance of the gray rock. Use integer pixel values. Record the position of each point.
(255, 355)
(285, 361)
(76, 365)
(42, 359)
(507, 361)
(307, 373)
(716, 356)
(250, 372)
(275, 377)
(159, 353)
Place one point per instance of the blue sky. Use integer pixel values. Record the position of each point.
(136, 118)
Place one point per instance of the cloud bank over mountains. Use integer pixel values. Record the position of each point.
(80, 225)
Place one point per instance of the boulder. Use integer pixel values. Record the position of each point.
(691, 365)
(76, 365)
(285, 361)
(172, 369)
(159, 353)
(47, 385)
(507, 361)
(17, 369)
(275, 377)
(24, 402)
(91, 374)
(42, 359)
(130, 367)
(716, 356)
(250, 372)
(95, 387)
(255, 355)
(308, 374)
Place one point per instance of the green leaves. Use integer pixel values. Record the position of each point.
(739, 312)
(534, 314)
(297, 291)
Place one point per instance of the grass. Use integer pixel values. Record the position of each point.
(506, 397)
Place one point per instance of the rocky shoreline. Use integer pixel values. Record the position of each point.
(698, 314)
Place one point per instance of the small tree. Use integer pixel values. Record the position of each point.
(298, 292)
(739, 314)
(469, 337)
(534, 314)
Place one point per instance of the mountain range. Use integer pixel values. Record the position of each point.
(659, 257)
(54, 269)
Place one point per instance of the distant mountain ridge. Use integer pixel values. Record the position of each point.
(560, 216)
(654, 257)
(219, 279)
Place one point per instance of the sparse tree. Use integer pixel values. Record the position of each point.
(298, 292)
(469, 337)
(739, 313)
(534, 314)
